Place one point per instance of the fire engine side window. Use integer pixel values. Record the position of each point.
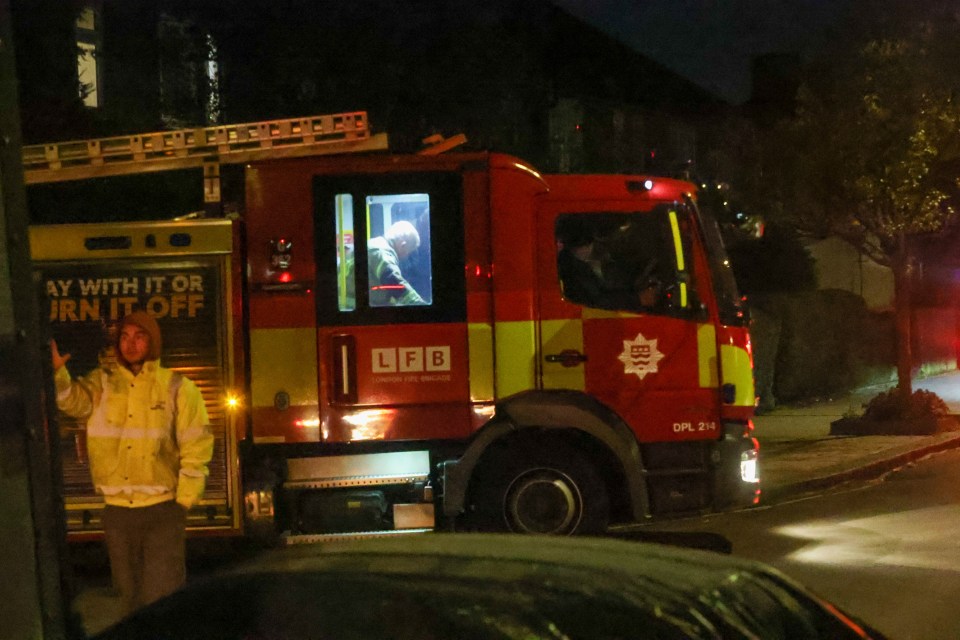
(623, 261)
(370, 270)
(346, 273)
(399, 270)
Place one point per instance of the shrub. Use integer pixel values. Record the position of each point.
(818, 343)
(895, 405)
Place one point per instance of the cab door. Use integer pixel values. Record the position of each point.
(621, 316)
(391, 309)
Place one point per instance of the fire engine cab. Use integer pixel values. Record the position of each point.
(400, 343)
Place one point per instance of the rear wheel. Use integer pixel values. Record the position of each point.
(557, 492)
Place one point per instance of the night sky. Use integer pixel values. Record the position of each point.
(711, 42)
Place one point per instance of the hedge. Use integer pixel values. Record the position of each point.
(815, 344)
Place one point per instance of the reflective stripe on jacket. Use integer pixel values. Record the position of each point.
(148, 436)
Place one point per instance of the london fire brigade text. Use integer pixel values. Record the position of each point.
(411, 359)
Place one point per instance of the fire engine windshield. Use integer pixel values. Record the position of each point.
(729, 302)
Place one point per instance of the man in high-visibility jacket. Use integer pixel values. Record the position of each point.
(149, 444)
(384, 253)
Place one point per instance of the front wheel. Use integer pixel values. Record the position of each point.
(553, 492)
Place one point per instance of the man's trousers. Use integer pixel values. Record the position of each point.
(147, 549)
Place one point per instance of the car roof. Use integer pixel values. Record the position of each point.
(667, 564)
(684, 579)
(695, 593)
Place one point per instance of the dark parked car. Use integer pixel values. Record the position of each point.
(441, 586)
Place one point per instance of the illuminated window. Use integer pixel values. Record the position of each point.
(346, 272)
(398, 250)
(371, 269)
(87, 72)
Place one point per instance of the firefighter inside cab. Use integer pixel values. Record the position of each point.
(398, 250)
(387, 285)
(607, 262)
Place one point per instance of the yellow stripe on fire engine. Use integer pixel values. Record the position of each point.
(678, 249)
(277, 363)
(677, 243)
(707, 356)
(735, 364)
(603, 314)
(557, 336)
(480, 345)
(515, 346)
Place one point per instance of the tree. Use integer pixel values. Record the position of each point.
(872, 153)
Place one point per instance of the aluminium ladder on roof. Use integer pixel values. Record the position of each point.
(204, 147)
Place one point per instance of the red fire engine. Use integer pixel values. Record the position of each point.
(398, 343)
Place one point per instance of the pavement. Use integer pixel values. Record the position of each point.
(797, 456)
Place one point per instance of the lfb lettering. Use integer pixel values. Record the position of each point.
(411, 359)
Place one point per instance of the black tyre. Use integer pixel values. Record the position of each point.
(554, 492)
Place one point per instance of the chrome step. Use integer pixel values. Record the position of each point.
(362, 470)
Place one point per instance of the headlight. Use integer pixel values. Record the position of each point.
(748, 467)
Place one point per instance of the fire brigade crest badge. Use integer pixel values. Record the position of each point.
(640, 356)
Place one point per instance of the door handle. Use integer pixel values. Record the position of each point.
(344, 349)
(566, 358)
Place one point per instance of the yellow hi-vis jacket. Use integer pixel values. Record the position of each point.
(148, 436)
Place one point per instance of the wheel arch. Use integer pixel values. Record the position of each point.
(569, 416)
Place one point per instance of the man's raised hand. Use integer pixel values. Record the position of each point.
(58, 360)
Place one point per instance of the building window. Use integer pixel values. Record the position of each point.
(88, 40)
(189, 74)
(566, 136)
(212, 110)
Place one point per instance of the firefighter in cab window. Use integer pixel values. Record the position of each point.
(388, 287)
(608, 262)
